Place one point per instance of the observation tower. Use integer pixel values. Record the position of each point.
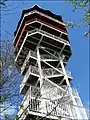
(42, 50)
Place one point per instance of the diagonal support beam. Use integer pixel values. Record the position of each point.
(62, 48)
(54, 84)
(62, 81)
(51, 66)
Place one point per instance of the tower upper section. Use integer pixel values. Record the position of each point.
(39, 27)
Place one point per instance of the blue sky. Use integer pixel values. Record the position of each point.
(79, 61)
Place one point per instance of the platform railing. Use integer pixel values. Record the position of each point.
(45, 56)
(30, 54)
(54, 108)
(32, 92)
(33, 54)
(31, 69)
(57, 107)
(64, 108)
(49, 34)
(61, 109)
(32, 31)
(35, 105)
(25, 62)
(46, 72)
(34, 70)
(75, 92)
(51, 72)
(53, 36)
(27, 74)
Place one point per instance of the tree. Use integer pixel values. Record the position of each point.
(9, 78)
(83, 5)
(2, 3)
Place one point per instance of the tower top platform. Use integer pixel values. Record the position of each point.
(39, 9)
(40, 28)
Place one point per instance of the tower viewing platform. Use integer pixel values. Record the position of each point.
(38, 27)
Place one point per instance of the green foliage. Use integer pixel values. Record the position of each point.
(85, 6)
(6, 116)
(16, 118)
(2, 3)
(87, 16)
(60, 118)
(31, 119)
(1, 79)
(81, 4)
(3, 98)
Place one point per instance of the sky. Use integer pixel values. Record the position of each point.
(78, 64)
